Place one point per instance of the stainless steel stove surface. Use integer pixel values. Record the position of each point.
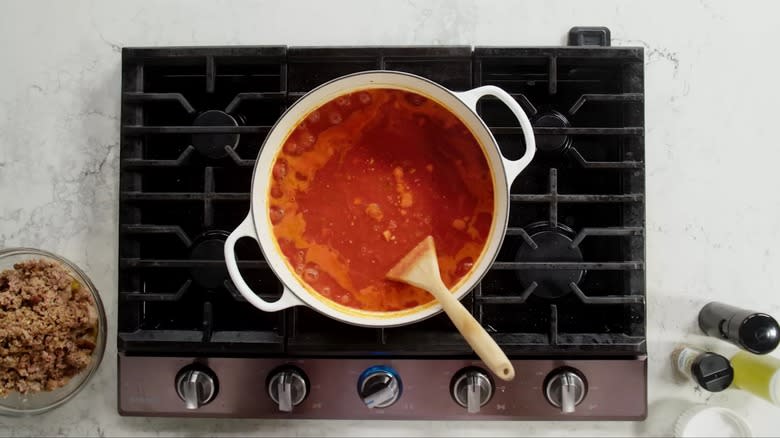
(565, 298)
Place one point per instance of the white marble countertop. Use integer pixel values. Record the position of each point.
(713, 219)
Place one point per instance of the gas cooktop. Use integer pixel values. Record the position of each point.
(565, 298)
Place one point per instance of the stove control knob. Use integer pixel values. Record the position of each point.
(196, 386)
(565, 389)
(379, 387)
(288, 387)
(472, 388)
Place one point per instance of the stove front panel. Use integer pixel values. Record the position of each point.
(615, 389)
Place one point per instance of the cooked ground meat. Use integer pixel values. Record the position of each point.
(48, 327)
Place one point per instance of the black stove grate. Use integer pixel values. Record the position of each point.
(181, 195)
(569, 278)
(575, 241)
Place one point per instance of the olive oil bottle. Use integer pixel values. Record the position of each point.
(759, 375)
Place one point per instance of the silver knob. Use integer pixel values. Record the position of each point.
(196, 387)
(565, 390)
(287, 388)
(379, 388)
(472, 389)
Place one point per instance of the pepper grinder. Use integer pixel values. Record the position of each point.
(755, 332)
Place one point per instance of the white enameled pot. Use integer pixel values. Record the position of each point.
(257, 224)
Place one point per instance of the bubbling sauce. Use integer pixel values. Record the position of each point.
(363, 179)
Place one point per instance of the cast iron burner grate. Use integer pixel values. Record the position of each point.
(543, 243)
(568, 280)
(215, 145)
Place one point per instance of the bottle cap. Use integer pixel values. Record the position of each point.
(701, 421)
(712, 372)
(759, 333)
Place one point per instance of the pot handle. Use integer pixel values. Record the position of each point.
(512, 168)
(246, 229)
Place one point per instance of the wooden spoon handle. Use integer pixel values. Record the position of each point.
(476, 336)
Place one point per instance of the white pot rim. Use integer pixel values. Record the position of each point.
(257, 223)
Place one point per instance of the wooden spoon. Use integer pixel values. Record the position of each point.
(420, 268)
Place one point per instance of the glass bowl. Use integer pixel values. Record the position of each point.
(16, 404)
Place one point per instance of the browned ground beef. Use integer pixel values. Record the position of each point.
(48, 327)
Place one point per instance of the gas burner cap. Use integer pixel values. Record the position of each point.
(553, 245)
(213, 145)
(552, 143)
(209, 246)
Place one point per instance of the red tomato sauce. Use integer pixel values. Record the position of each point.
(366, 177)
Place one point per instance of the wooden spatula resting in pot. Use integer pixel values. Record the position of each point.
(420, 268)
